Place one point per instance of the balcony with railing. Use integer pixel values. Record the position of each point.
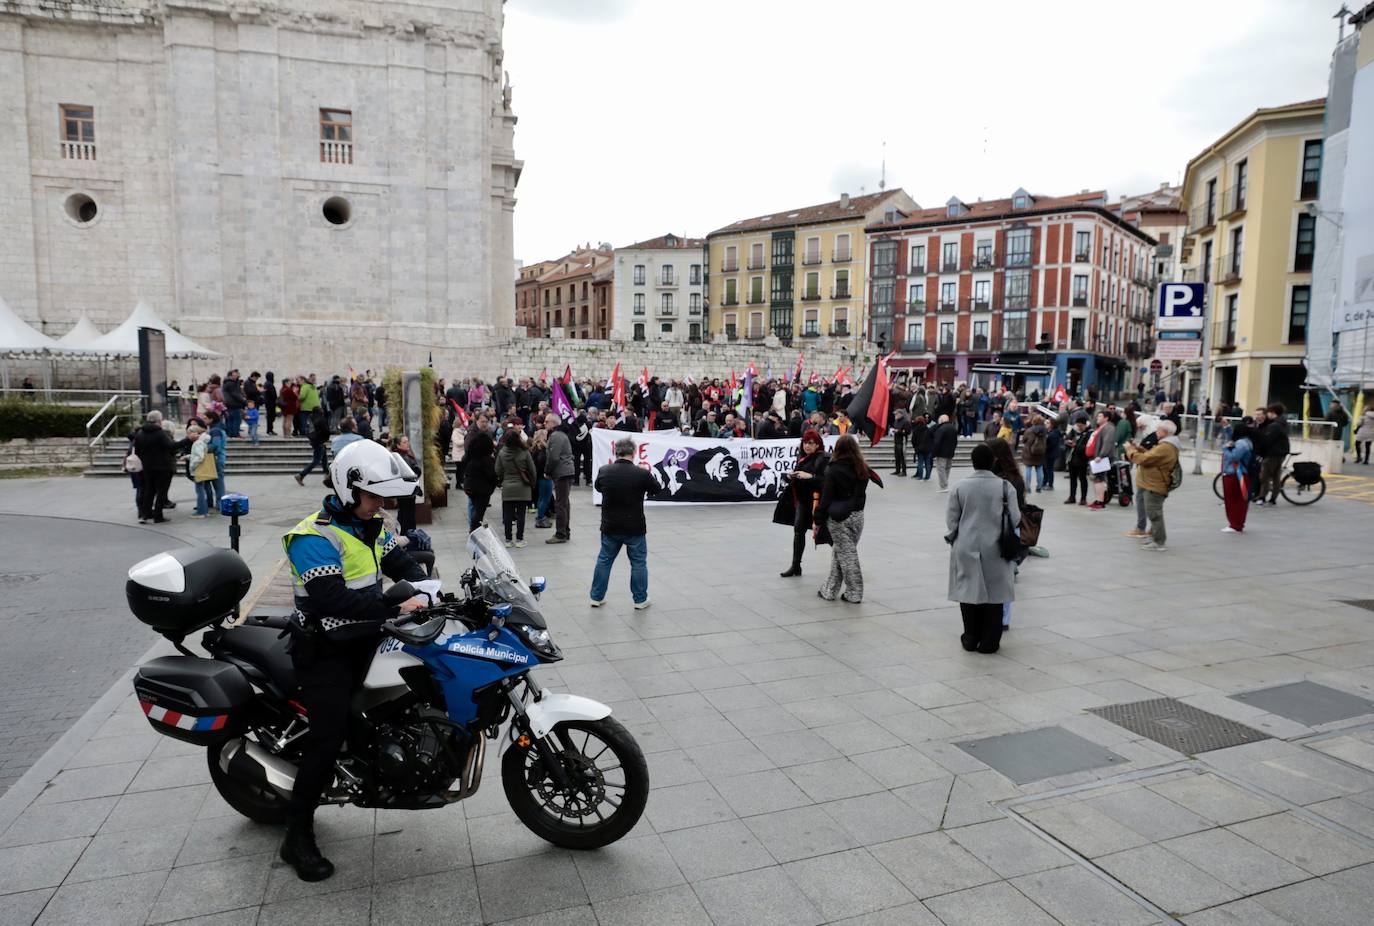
(916, 306)
(949, 266)
(1078, 342)
(78, 150)
(755, 299)
(980, 342)
(912, 347)
(1082, 257)
(916, 270)
(755, 334)
(812, 329)
(1233, 202)
(840, 292)
(1133, 349)
(841, 256)
(945, 345)
(1202, 219)
(694, 310)
(810, 295)
(986, 260)
(759, 264)
(667, 311)
(731, 333)
(1230, 267)
(1080, 300)
(1224, 334)
(730, 299)
(336, 152)
(839, 330)
(976, 303)
(729, 266)
(947, 305)
(810, 258)
(667, 280)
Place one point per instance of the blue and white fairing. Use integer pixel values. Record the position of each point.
(465, 661)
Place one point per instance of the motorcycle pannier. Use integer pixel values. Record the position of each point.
(181, 591)
(193, 699)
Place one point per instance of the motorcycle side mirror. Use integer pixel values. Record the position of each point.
(400, 592)
(537, 585)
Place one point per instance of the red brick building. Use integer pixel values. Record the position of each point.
(573, 292)
(1028, 290)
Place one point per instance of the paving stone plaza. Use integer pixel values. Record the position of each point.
(811, 762)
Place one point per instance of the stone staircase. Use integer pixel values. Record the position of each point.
(273, 456)
(286, 455)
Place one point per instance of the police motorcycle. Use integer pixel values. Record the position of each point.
(444, 681)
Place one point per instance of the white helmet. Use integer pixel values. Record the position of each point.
(367, 465)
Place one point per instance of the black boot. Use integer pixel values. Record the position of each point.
(793, 570)
(798, 548)
(300, 852)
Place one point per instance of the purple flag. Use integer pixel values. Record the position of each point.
(559, 403)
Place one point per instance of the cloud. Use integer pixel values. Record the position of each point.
(580, 12)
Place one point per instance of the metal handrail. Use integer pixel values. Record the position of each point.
(112, 399)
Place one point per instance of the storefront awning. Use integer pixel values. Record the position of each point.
(1013, 369)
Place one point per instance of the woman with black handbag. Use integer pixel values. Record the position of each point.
(981, 521)
(797, 502)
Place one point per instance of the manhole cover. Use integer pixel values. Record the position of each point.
(1366, 603)
(1039, 754)
(1179, 726)
(1307, 702)
(8, 579)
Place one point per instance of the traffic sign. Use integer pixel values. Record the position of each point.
(1156, 365)
(1190, 349)
(1182, 307)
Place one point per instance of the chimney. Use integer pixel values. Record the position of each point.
(844, 200)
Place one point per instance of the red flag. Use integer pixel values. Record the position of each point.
(544, 375)
(644, 379)
(1061, 395)
(752, 371)
(841, 375)
(869, 407)
(814, 378)
(567, 374)
(459, 415)
(733, 382)
(614, 377)
(796, 376)
(618, 387)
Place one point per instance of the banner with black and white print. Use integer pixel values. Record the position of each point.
(704, 469)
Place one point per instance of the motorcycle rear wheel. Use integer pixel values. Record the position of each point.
(262, 805)
(605, 759)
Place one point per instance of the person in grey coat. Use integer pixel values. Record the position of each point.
(559, 467)
(979, 578)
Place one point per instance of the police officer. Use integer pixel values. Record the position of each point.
(338, 556)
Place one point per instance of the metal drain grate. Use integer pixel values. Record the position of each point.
(1366, 603)
(1179, 726)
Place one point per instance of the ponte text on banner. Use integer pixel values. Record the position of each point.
(705, 469)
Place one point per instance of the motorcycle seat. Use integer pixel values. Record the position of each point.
(265, 649)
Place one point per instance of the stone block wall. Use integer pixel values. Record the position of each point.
(48, 451)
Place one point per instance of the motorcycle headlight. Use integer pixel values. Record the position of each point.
(539, 640)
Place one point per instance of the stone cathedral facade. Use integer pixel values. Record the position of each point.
(300, 184)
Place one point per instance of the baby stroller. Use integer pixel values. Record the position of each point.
(1119, 483)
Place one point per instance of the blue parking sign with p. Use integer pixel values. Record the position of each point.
(1182, 306)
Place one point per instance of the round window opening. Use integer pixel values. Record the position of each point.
(337, 211)
(81, 208)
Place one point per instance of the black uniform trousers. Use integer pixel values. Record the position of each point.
(328, 674)
(899, 453)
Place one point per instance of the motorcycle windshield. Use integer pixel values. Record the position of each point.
(501, 577)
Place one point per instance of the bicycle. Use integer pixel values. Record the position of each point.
(1297, 486)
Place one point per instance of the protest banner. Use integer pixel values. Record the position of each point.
(705, 470)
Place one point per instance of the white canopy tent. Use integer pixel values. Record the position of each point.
(82, 333)
(20, 340)
(123, 341)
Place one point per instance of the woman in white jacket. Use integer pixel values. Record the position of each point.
(1364, 436)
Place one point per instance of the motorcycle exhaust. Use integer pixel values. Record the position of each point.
(471, 777)
(247, 761)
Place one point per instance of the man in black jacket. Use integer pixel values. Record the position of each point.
(156, 451)
(234, 403)
(623, 486)
(945, 441)
(1274, 446)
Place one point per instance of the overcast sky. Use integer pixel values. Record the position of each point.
(639, 117)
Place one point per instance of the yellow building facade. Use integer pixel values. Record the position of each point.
(1252, 233)
(796, 274)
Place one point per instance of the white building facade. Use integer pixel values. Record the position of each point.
(660, 289)
(275, 180)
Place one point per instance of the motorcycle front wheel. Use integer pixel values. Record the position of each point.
(609, 785)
